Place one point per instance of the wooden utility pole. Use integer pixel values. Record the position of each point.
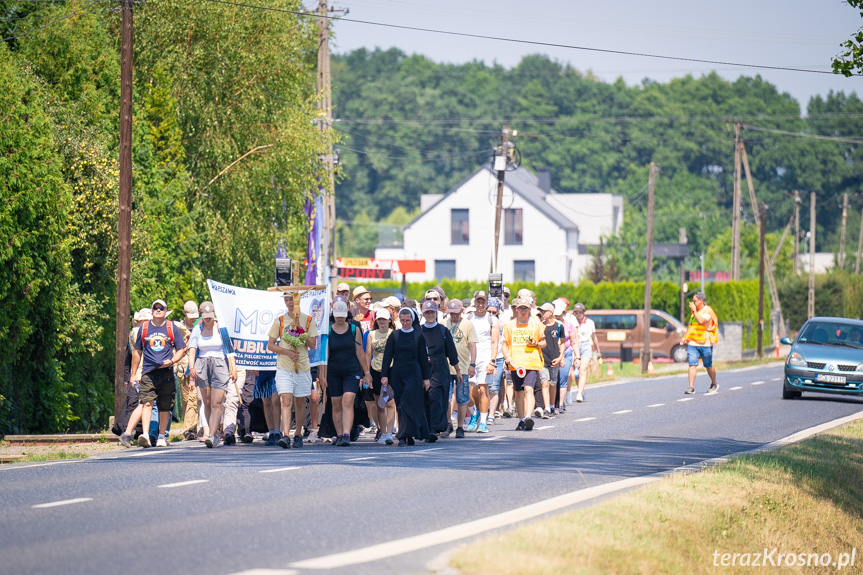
(645, 350)
(736, 209)
(796, 232)
(762, 255)
(841, 258)
(500, 165)
(859, 244)
(811, 300)
(124, 228)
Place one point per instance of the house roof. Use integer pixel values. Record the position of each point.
(525, 184)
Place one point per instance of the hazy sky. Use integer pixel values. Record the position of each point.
(790, 33)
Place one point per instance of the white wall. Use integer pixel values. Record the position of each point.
(594, 214)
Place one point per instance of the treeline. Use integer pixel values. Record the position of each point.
(412, 126)
(213, 84)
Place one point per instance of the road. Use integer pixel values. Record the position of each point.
(249, 507)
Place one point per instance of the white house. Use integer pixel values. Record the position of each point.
(544, 235)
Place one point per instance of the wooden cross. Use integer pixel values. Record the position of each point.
(297, 292)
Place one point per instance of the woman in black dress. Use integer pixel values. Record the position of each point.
(406, 368)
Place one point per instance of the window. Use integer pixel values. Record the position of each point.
(524, 270)
(658, 322)
(513, 230)
(460, 228)
(444, 269)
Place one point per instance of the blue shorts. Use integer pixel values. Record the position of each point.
(563, 374)
(462, 389)
(494, 386)
(265, 385)
(693, 352)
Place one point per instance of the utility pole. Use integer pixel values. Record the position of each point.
(762, 255)
(811, 304)
(797, 233)
(736, 209)
(841, 258)
(645, 351)
(500, 162)
(124, 229)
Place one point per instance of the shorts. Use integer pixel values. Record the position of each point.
(705, 352)
(549, 375)
(481, 377)
(462, 389)
(212, 372)
(159, 386)
(584, 350)
(376, 382)
(529, 380)
(265, 385)
(339, 384)
(566, 366)
(296, 384)
(494, 386)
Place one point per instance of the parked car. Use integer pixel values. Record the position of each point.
(826, 356)
(626, 326)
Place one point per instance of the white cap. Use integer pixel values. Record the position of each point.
(340, 309)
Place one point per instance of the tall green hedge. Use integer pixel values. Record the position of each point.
(838, 294)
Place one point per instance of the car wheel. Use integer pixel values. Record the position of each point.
(790, 394)
(678, 354)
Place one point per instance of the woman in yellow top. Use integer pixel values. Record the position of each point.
(375, 346)
(523, 338)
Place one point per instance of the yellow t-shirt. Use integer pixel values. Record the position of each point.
(462, 334)
(516, 336)
(282, 361)
(379, 345)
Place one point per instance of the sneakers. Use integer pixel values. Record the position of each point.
(545, 414)
(383, 439)
(189, 435)
(273, 438)
(432, 438)
(448, 431)
(459, 433)
(230, 439)
(714, 389)
(489, 421)
(482, 428)
(346, 441)
(126, 440)
(389, 439)
(403, 442)
(579, 398)
(285, 442)
(528, 423)
(471, 426)
(520, 426)
(689, 391)
(313, 436)
(378, 434)
(537, 412)
(161, 442)
(507, 412)
(144, 440)
(298, 442)
(248, 438)
(212, 441)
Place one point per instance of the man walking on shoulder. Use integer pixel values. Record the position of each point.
(700, 338)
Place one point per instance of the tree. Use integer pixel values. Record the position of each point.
(850, 62)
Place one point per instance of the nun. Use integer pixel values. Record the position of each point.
(405, 368)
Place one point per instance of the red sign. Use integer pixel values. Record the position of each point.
(365, 273)
(397, 266)
(708, 276)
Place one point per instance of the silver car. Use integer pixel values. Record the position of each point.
(826, 356)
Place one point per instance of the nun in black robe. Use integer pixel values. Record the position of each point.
(406, 369)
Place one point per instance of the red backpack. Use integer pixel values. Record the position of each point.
(170, 332)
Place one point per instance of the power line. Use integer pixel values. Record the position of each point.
(531, 42)
(51, 22)
(590, 119)
(803, 135)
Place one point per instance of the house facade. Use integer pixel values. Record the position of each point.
(544, 235)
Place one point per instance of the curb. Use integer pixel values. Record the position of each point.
(61, 438)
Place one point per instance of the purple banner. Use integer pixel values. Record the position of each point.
(313, 213)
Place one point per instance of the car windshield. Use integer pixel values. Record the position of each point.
(829, 333)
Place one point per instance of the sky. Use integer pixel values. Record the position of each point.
(786, 33)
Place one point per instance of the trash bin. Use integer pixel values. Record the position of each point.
(625, 352)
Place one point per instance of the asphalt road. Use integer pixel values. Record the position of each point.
(250, 507)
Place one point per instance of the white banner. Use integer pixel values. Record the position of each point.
(249, 314)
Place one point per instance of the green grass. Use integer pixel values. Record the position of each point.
(56, 455)
(804, 498)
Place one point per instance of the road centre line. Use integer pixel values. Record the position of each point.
(544, 427)
(184, 483)
(734, 388)
(586, 419)
(155, 452)
(423, 451)
(686, 399)
(362, 458)
(469, 529)
(10, 468)
(656, 405)
(757, 382)
(491, 438)
(776, 379)
(278, 469)
(622, 411)
(63, 502)
(267, 572)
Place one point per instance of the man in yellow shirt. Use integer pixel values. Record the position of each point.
(703, 332)
(523, 338)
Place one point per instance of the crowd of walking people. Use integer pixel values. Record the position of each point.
(398, 371)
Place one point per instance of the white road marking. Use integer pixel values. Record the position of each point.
(776, 379)
(267, 572)
(586, 419)
(544, 427)
(469, 529)
(734, 388)
(492, 438)
(10, 468)
(656, 405)
(362, 458)
(64, 502)
(184, 483)
(686, 399)
(153, 452)
(278, 469)
(421, 452)
(757, 382)
(622, 411)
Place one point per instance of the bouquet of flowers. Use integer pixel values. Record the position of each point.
(296, 337)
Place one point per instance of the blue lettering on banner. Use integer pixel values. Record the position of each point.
(253, 353)
(223, 289)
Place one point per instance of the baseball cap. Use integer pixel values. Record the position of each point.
(547, 306)
(480, 294)
(161, 302)
(288, 294)
(144, 314)
(578, 307)
(495, 303)
(343, 287)
(392, 301)
(383, 313)
(559, 308)
(190, 308)
(430, 305)
(358, 291)
(340, 309)
(207, 309)
(454, 306)
(521, 302)
(399, 296)
(505, 291)
(524, 292)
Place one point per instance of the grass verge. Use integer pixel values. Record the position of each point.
(805, 498)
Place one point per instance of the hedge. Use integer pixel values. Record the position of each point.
(839, 294)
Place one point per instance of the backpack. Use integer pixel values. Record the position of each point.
(170, 331)
(282, 323)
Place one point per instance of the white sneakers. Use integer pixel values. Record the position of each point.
(161, 442)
